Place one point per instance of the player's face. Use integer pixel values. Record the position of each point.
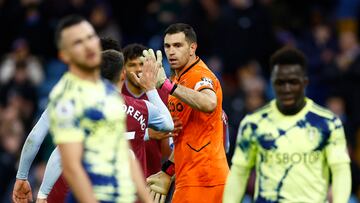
(289, 83)
(133, 66)
(80, 46)
(178, 50)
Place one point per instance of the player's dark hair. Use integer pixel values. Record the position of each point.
(189, 32)
(109, 43)
(111, 65)
(289, 56)
(64, 23)
(133, 51)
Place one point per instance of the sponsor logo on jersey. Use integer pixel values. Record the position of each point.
(175, 107)
(291, 158)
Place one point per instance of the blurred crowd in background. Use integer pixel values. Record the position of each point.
(235, 38)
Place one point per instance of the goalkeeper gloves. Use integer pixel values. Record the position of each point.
(159, 184)
(161, 76)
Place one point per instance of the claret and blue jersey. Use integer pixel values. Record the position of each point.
(292, 154)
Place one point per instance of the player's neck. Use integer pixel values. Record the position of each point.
(133, 89)
(120, 84)
(92, 76)
(292, 111)
(192, 60)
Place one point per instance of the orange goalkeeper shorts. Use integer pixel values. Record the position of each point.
(204, 194)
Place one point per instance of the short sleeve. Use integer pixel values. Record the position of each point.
(246, 146)
(65, 122)
(336, 150)
(204, 80)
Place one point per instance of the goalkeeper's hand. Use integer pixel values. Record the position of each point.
(161, 76)
(159, 185)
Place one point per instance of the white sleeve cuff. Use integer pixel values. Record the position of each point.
(42, 195)
(146, 136)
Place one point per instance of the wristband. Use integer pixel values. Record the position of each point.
(168, 167)
(168, 86)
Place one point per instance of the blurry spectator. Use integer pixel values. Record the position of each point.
(203, 15)
(343, 75)
(101, 19)
(35, 28)
(160, 14)
(21, 52)
(11, 137)
(319, 45)
(163, 13)
(346, 13)
(250, 95)
(20, 94)
(244, 25)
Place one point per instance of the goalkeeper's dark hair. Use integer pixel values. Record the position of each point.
(109, 43)
(111, 65)
(133, 51)
(189, 32)
(64, 23)
(289, 56)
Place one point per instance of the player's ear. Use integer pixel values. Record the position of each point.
(122, 75)
(193, 47)
(64, 57)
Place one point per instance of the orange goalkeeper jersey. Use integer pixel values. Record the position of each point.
(200, 158)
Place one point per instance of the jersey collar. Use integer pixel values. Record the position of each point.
(186, 69)
(300, 114)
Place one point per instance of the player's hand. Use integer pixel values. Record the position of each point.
(22, 191)
(161, 76)
(41, 200)
(147, 79)
(159, 185)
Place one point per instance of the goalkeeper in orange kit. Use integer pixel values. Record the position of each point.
(196, 99)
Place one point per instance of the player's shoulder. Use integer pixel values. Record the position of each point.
(202, 69)
(258, 114)
(135, 103)
(64, 86)
(321, 111)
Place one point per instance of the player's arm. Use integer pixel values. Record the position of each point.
(204, 100)
(52, 173)
(159, 116)
(242, 163)
(236, 181)
(75, 175)
(138, 179)
(341, 182)
(22, 189)
(339, 162)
